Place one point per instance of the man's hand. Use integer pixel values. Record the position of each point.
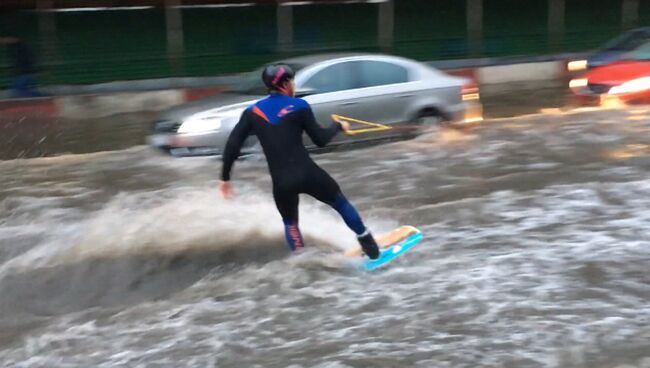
(344, 124)
(226, 189)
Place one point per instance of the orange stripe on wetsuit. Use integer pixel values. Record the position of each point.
(260, 113)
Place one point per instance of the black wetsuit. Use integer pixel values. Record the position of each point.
(278, 122)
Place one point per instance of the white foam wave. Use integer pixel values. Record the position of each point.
(177, 220)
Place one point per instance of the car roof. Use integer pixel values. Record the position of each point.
(640, 29)
(317, 58)
(308, 60)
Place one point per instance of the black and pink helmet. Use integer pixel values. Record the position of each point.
(275, 75)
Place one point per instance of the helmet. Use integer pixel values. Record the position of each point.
(276, 74)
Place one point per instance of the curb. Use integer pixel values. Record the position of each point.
(91, 106)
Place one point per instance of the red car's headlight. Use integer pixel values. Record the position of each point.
(633, 86)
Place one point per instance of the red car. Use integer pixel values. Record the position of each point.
(626, 81)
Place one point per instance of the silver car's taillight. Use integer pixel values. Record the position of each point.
(469, 91)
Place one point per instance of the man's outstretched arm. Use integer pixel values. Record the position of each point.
(319, 135)
(234, 144)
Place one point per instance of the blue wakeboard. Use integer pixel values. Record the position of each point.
(390, 253)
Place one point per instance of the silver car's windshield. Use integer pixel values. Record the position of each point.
(252, 83)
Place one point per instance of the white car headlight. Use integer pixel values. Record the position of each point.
(578, 83)
(577, 65)
(635, 85)
(195, 124)
(207, 121)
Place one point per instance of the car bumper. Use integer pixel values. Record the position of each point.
(470, 112)
(209, 143)
(587, 98)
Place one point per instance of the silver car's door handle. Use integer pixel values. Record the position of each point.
(405, 96)
(348, 103)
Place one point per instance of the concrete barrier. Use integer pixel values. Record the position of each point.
(107, 104)
(102, 105)
(96, 106)
(543, 71)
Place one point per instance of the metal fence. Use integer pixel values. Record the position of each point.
(99, 46)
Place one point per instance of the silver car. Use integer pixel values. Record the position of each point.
(364, 88)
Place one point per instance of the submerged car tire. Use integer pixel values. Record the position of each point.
(429, 119)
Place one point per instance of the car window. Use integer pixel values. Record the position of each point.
(379, 73)
(627, 41)
(337, 77)
(252, 84)
(640, 53)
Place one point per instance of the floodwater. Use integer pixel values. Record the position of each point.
(535, 255)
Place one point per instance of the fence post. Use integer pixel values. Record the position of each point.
(284, 19)
(475, 27)
(556, 15)
(175, 44)
(630, 14)
(48, 34)
(386, 25)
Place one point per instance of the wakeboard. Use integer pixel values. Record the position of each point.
(392, 245)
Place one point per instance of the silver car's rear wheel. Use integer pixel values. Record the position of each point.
(429, 120)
